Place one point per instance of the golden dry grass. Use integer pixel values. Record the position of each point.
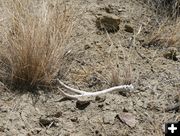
(35, 43)
(167, 35)
(121, 74)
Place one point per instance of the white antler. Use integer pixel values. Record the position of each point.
(84, 93)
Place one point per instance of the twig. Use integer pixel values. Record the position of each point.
(111, 42)
(50, 124)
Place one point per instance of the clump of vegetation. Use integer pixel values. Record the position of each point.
(167, 33)
(35, 42)
(165, 7)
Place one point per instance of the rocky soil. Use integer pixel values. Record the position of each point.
(108, 36)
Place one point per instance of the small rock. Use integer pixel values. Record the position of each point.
(36, 131)
(106, 108)
(109, 118)
(100, 98)
(58, 114)
(74, 119)
(121, 10)
(108, 9)
(125, 109)
(98, 133)
(171, 53)
(3, 109)
(100, 105)
(99, 45)
(99, 33)
(49, 132)
(108, 22)
(129, 28)
(87, 46)
(48, 121)
(81, 105)
(2, 129)
(128, 118)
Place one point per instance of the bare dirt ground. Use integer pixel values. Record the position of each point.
(94, 56)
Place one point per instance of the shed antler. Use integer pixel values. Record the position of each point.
(80, 93)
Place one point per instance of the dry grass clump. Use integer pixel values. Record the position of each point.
(121, 74)
(165, 7)
(167, 35)
(118, 78)
(35, 42)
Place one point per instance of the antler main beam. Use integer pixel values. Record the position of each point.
(80, 93)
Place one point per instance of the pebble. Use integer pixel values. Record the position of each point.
(48, 121)
(81, 105)
(129, 28)
(109, 117)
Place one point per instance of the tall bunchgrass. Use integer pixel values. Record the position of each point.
(35, 42)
